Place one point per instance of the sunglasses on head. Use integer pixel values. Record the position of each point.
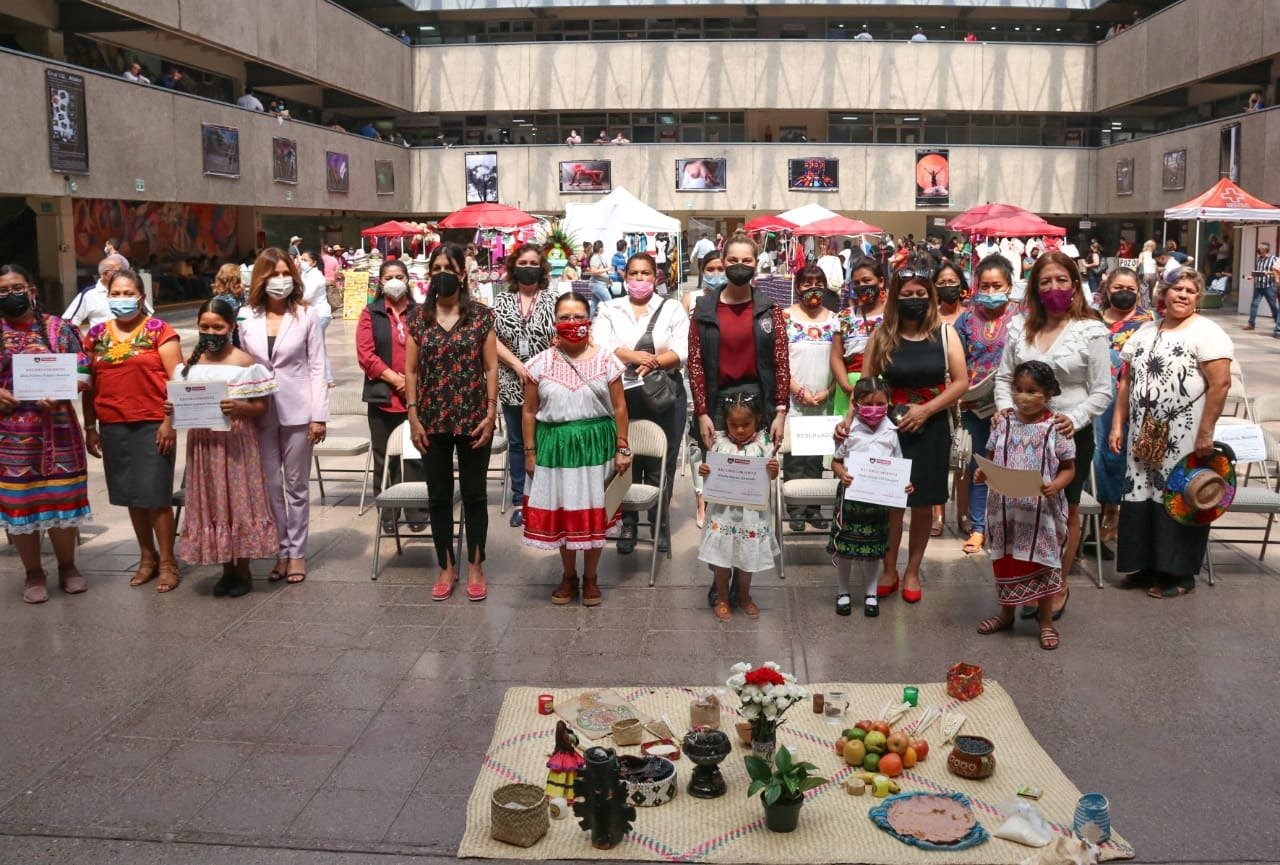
(907, 274)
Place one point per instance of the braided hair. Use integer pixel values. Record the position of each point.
(220, 308)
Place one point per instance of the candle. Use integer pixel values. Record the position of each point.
(911, 694)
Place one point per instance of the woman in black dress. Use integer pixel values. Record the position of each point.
(922, 359)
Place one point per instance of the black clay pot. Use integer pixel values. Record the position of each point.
(783, 815)
(706, 749)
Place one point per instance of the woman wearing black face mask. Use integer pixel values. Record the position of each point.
(44, 482)
(953, 292)
(451, 378)
(229, 518)
(915, 352)
(525, 320)
(1123, 317)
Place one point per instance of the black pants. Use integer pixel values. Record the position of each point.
(381, 425)
(645, 470)
(473, 464)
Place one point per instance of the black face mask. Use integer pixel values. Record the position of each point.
(949, 295)
(739, 274)
(913, 308)
(445, 284)
(1123, 299)
(212, 343)
(526, 275)
(15, 305)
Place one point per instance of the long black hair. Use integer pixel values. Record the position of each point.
(30, 280)
(457, 257)
(223, 310)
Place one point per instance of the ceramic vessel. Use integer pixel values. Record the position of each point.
(972, 757)
(744, 731)
(706, 749)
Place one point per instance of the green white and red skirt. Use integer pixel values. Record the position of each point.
(564, 500)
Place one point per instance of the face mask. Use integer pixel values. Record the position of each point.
(993, 301)
(280, 286)
(871, 415)
(715, 281)
(812, 298)
(1029, 403)
(913, 308)
(739, 274)
(15, 305)
(573, 332)
(948, 293)
(306, 268)
(212, 343)
(123, 307)
(639, 289)
(526, 275)
(1057, 302)
(1123, 299)
(106, 250)
(445, 284)
(395, 288)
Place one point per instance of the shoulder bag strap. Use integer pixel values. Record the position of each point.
(648, 331)
(604, 401)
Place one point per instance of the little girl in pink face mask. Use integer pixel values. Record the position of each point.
(860, 531)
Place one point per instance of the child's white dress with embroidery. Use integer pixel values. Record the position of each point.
(737, 537)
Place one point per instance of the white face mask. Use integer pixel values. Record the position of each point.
(280, 286)
(395, 288)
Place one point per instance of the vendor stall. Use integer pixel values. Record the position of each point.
(622, 216)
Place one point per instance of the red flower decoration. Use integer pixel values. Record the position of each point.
(764, 676)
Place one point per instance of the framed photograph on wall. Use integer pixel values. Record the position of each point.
(815, 174)
(284, 160)
(1229, 152)
(1173, 175)
(482, 177)
(220, 147)
(337, 172)
(701, 175)
(384, 177)
(68, 122)
(586, 175)
(933, 178)
(1124, 176)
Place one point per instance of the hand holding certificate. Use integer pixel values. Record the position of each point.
(198, 405)
(1011, 483)
(45, 376)
(878, 480)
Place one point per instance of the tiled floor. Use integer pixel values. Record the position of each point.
(343, 720)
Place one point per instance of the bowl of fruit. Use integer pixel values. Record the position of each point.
(873, 746)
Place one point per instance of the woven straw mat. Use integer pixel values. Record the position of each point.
(834, 826)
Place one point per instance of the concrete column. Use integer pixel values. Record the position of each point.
(55, 241)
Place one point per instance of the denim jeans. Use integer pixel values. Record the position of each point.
(1265, 291)
(1109, 468)
(979, 430)
(513, 417)
(600, 293)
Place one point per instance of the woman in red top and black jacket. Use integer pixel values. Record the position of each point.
(738, 345)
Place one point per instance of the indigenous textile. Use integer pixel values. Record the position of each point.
(516, 330)
(43, 472)
(735, 537)
(810, 356)
(451, 393)
(576, 442)
(983, 339)
(128, 375)
(917, 373)
(861, 530)
(228, 511)
(1026, 535)
(855, 332)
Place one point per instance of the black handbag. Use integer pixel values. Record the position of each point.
(658, 390)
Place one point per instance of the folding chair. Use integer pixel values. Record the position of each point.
(179, 501)
(405, 495)
(648, 440)
(501, 447)
(1263, 499)
(1091, 510)
(346, 402)
(1237, 394)
(801, 492)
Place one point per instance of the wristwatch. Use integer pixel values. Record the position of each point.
(626, 452)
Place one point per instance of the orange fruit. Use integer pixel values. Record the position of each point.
(909, 758)
(891, 765)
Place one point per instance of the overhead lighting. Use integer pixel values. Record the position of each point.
(912, 119)
(1017, 28)
(1057, 29)
(428, 28)
(849, 117)
(1037, 29)
(840, 26)
(942, 26)
(993, 27)
(517, 120)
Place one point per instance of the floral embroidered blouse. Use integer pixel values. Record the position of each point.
(451, 387)
(129, 379)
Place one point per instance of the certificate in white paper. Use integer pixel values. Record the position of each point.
(1011, 483)
(197, 405)
(739, 481)
(45, 376)
(878, 480)
(1245, 439)
(615, 492)
(811, 435)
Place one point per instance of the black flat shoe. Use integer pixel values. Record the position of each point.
(517, 518)
(388, 526)
(664, 543)
(871, 608)
(844, 604)
(627, 539)
(796, 525)
(417, 527)
(820, 524)
(1138, 580)
(222, 588)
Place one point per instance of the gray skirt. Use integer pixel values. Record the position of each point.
(138, 475)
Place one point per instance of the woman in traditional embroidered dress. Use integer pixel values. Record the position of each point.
(575, 432)
(810, 330)
(229, 518)
(1028, 534)
(857, 322)
(43, 475)
(132, 358)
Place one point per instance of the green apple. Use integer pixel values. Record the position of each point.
(871, 762)
(876, 742)
(856, 733)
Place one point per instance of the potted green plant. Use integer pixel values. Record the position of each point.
(781, 785)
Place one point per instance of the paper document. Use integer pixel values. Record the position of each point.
(615, 492)
(198, 404)
(740, 481)
(44, 376)
(1245, 439)
(878, 480)
(1011, 483)
(811, 436)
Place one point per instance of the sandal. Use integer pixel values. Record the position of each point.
(995, 624)
(750, 608)
(973, 546)
(935, 530)
(723, 612)
(965, 524)
(1164, 592)
(168, 577)
(146, 572)
(1049, 638)
(295, 577)
(277, 574)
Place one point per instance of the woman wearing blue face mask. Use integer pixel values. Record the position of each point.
(131, 358)
(982, 329)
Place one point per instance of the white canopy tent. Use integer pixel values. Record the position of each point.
(613, 217)
(808, 213)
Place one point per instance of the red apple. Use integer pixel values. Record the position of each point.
(865, 726)
(921, 747)
(898, 743)
(881, 727)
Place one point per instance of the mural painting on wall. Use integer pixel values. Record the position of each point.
(284, 160)
(933, 178)
(384, 177)
(337, 172)
(586, 175)
(147, 230)
(220, 146)
(1174, 175)
(68, 127)
(817, 173)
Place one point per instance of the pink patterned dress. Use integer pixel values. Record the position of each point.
(228, 514)
(1027, 535)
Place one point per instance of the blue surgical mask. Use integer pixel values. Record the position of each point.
(123, 307)
(715, 281)
(993, 301)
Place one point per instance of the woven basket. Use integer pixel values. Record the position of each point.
(518, 813)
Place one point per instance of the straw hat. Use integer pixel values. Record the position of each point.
(1198, 491)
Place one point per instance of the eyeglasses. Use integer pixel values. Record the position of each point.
(14, 289)
(948, 285)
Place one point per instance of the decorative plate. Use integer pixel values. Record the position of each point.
(911, 812)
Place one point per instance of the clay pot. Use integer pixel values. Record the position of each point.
(972, 757)
(744, 731)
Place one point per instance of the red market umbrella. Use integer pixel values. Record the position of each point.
(394, 228)
(838, 225)
(1017, 225)
(769, 223)
(965, 221)
(487, 216)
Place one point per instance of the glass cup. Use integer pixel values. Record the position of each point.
(834, 704)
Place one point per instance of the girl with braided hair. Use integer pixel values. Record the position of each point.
(229, 519)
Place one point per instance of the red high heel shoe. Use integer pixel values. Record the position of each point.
(883, 591)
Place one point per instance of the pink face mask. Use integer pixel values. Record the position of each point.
(872, 415)
(1057, 302)
(639, 289)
